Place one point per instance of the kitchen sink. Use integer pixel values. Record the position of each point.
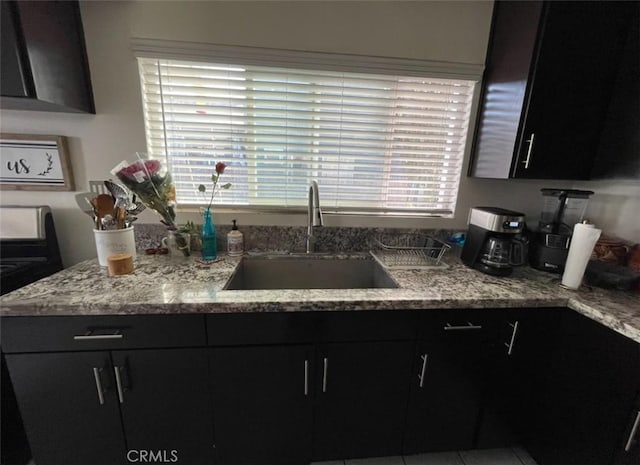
(304, 272)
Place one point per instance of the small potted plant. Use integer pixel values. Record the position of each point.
(192, 233)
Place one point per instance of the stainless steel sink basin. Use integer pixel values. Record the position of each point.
(302, 272)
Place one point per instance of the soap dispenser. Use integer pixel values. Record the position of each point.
(235, 241)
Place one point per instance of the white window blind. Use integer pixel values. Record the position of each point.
(375, 143)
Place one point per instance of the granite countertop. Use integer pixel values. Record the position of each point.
(160, 285)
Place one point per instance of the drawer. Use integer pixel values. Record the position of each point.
(226, 329)
(459, 323)
(376, 325)
(310, 327)
(81, 333)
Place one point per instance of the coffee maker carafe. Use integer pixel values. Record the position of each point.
(561, 210)
(492, 244)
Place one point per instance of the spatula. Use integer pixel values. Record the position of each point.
(83, 199)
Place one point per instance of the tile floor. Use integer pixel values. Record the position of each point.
(516, 456)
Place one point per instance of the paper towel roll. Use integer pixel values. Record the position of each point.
(583, 241)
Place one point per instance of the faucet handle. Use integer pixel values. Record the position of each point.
(318, 221)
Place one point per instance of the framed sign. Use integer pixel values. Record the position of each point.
(34, 162)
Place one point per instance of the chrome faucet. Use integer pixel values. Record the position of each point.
(314, 215)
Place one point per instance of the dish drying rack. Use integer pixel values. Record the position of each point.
(409, 251)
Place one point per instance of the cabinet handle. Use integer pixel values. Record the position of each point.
(509, 345)
(324, 374)
(632, 435)
(306, 377)
(424, 358)
(469, 325)
(529, 151)
(96, 375)
(116, 370)
(89, 336)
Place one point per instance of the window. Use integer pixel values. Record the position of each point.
(376, 143)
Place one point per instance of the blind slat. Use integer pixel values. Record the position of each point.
(239, 128)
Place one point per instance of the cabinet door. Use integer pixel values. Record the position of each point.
(629, 450)
(522, 350)
(514, 31)
(448, 387)
(585, 395)
(501, 399)
(579, 51)
(262, 404)
(45, 57)
(620, 141)
(165, 403)
(69, 407)
(362, 392)
(15, 75)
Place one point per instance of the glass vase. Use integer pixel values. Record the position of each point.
(209, 243)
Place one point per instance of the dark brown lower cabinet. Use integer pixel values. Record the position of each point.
(361, 397)
(583, 401)
(69, 406)
(263, 404)
(560, 384)
(115, 407)
(291, 404)
(448, 383)
(522, 348)
(165, 404)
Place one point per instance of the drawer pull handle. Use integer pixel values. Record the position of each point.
(632, 435)
(324, 374)
(116, 370)
(469, 325)
(96, 375)
(89, 336)
(509, 345)
(306, 377)
(424, 367)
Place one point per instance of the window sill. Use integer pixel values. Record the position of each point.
(298, 217)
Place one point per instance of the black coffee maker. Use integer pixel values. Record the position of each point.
(493, 245)
(561, 210)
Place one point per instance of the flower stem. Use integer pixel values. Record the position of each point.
(213, 191)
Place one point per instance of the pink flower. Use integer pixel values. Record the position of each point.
(153, 166)
(149, 167)
(129, 171)
(220, 167)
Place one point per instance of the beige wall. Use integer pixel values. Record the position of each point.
(446, 31)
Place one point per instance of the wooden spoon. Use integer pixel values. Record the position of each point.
(120, 211)
(103, 204)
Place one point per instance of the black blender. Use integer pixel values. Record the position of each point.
(561, 210)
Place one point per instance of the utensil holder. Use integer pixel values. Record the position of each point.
(114, 241)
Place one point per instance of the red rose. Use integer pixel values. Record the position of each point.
(220, 167)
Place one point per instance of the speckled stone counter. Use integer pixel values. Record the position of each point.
(163, 285)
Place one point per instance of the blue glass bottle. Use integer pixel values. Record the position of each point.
(209, 244)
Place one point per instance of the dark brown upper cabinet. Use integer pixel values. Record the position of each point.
(44, 61)
(550, 74)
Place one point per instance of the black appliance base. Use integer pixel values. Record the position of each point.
(492, 270)
(548, 259)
